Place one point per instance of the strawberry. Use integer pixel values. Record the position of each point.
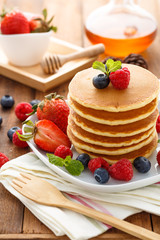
(46, 135)
(55, 109)
(39, 24)
(14, 22)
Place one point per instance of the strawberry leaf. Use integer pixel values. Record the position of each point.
(29, 123)
(53, 28)
(44, 13)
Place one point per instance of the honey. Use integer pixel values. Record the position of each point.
(122, 33)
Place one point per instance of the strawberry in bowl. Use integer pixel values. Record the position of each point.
(25, 37)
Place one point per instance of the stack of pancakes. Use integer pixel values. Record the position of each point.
(112, 123)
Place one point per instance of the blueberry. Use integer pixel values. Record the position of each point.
(1, 120)
(84, 159)
(142, 164)
(7, 101)
(35, 101)
(101, 81)
(106, 67)
(11, 131)
(101, 175)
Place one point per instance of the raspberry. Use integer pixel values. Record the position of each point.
(16, 141)
(158, 124)
(126, 70)
(3, 159)
(158, 119)
(158, 127)
(121, 170)
(97, 163)
(63, 151)
(22, 109)
(158, 157)
(120, 78)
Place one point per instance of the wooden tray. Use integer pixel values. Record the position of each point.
(34, 76)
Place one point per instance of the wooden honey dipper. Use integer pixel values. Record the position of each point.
(52, 62)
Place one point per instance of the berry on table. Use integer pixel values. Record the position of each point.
(34, 102)
(3, 159)
(158, 157)
(120, 78)
(22, 109)
(121, 170)
(84, 159)
(101, 175)
(142, 164)
(7, 101)
(101, 81)
(63, 151)
(97, 163)
(11, 131)
(1, 120)
(16, 141)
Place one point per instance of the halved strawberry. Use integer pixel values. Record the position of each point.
(46, 134)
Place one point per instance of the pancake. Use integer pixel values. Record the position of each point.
(107, 150)
(113, 123)
(104, 140)
(117, 130)
(113, 118)
(143, 89)
(145, 151)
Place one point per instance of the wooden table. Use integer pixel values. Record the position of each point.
(16, 221)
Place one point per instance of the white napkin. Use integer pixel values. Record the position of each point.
(74, 225)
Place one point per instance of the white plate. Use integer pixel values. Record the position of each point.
(87, 181)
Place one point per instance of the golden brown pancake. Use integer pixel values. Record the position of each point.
(104, 140)
(107, 150)
(117, 130)
(142, 89)
(145, 151)
(113, 118)
(114, 123)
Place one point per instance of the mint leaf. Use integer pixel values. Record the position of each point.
(67, 160)
(110, 64)
(158, 140)
(99, 65)
(74, 167)
(115, 66)
(55, 160)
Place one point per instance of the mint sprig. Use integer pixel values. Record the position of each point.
(112, 66)
(74, 167)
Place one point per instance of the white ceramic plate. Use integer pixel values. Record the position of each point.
(87, 181)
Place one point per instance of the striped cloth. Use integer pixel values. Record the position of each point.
(74, 225)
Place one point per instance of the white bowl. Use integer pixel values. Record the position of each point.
(25, 49)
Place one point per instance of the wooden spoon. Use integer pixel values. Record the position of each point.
(45, 193)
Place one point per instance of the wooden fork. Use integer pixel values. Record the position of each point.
(45, 193)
